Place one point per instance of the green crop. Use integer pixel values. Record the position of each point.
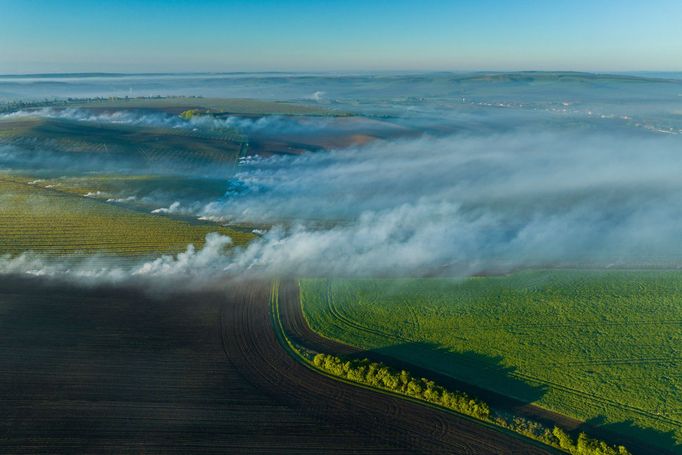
(45, 220)
(601, 346)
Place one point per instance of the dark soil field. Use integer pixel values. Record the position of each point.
(114, 371)
(252, 345)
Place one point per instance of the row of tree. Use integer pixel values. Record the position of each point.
(11, 106)
(379, 375)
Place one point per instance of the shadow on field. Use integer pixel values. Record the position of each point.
(664, 440)
(444, 366)
(481, 376)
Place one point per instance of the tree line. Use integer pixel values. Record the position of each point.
(11, 106)
(381, 376)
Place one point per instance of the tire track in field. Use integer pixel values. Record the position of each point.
(599, 399)
(336, 312)
(251, 344)
(630, 361)
(110, 370)
(307, 336)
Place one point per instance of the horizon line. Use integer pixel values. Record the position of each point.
(324, 72)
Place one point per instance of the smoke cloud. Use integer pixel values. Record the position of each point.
(486, 187)
(452, 206)
(270, 125)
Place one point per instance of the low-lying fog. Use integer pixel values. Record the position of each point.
(501, 173)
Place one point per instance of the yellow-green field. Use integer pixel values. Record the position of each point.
(49, 221)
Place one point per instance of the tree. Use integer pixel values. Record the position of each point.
(565, 441)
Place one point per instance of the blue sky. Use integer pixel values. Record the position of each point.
(349, 35)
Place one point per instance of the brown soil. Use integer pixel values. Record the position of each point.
(252, 345)
(111, 370)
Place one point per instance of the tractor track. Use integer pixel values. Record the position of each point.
(297, 329)
(252, 345)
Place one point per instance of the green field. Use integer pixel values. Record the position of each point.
(601, 346)
(45, 220)
(166, 148)
(135, 191)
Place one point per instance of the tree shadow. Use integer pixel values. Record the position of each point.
(639, 440)
(483, 376)
(500, 387)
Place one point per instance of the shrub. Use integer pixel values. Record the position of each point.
(376, 374)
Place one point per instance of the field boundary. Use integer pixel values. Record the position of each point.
(338, 319)
(301, 358)
(330, 344)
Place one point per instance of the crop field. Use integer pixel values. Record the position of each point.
(254, 344)
(147, 192)
(181, 149)
(179, 104)
(49, 221)
(113, 370)
(164, 148)
(237, 106)
(336, 133)
(600, 346)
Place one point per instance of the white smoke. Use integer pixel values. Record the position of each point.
(171, 209)
(454, 205)
(132, 118)
(270, 124)
(494, 187)
(193, 267)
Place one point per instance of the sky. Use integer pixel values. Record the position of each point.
(346, 35)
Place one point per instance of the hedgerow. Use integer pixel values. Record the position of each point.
(381, 376)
